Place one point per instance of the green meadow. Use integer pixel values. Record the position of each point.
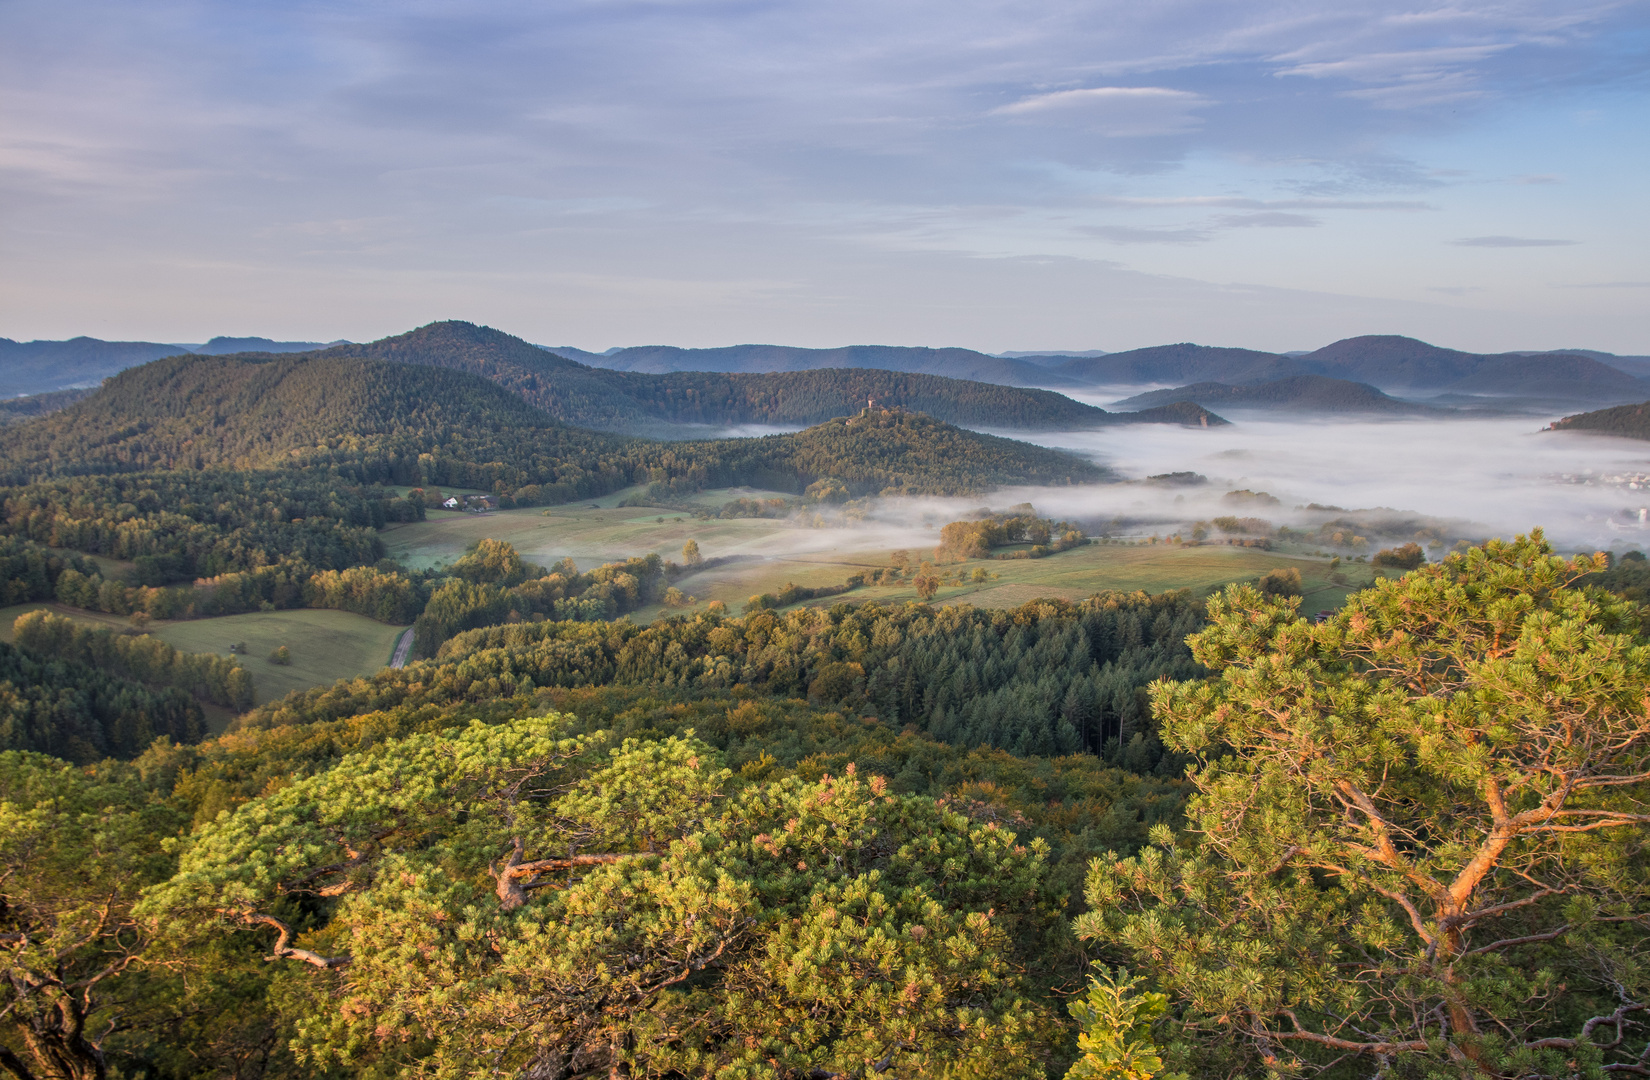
(763, 555)
(325, 645)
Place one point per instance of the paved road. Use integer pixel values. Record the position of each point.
(403, 646)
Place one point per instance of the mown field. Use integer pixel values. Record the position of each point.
(325, 645)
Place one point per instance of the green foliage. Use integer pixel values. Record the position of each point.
(891, 452)
(200, 524)
(76, 847)
(492, 562)
(1407, 557)
(636, 913)
(1047, 678)
(1284, 581)
(494, 586)
(82, 713)
(1418, 845)
(280, 655)
(1628, 576)
(1114, 1022)
(29, 571)
(793, 593)
(389, 597)
(978, 539)
(13, 410)
(143, 658)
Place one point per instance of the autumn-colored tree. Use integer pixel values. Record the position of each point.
(1418, 846)
(690, 553)
(492, 562)
(1284, 581)
(511, 899)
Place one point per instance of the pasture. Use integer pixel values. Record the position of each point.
(325, 645)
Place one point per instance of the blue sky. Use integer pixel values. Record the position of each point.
(1008, 175)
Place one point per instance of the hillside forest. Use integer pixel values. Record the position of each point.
(1136, 835)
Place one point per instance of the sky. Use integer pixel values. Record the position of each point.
(1104, 174)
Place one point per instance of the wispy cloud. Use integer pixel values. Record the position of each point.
(1509, 242)
(1116, 111)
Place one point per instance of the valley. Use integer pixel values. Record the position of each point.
(983, 638)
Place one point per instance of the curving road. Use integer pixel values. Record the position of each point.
(403, 646)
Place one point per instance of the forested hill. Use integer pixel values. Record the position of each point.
(661, 404)
(258, 410)
(894, 452)
(1391, 361)
(35, 367)
(1297, 393)
(1386, 361)
(41, 367)
(1630, 421)
(1183, 363)
(377, 422)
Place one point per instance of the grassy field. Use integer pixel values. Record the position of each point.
(1081, 572)
(588, 532)
(326, 645)
(767, 554)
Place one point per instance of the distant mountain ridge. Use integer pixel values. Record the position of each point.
(223, 346)
(1293, 393)
(1394, 364)
(39, 367)
(1182, 363)
(752, 359)
(1389, 363)
(639, 402)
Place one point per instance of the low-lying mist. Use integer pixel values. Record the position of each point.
(1495, 476)
(1469, 477)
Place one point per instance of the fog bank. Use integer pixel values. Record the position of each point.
(1496, 476)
